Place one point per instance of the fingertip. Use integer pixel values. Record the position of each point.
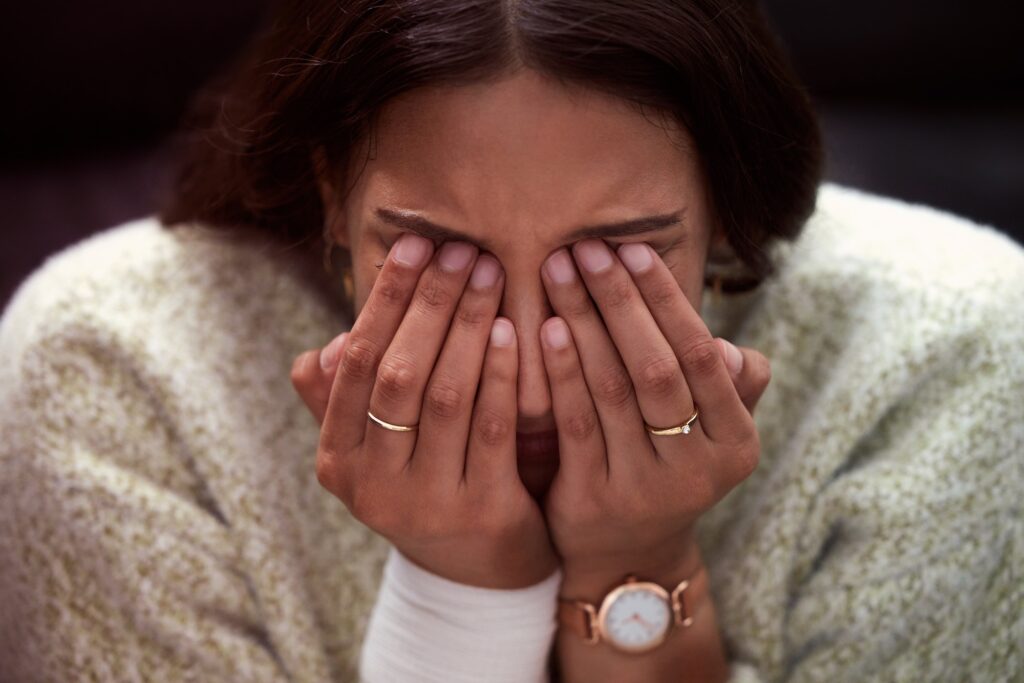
(503, 333)
(764, 365)
(555, 333)
(300, 367)
(330, 354)
(411, 250)
(731, 355)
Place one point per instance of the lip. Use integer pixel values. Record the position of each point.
(537, 445)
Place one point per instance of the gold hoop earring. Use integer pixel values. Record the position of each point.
(348, 284)
(716, 288)
(328, 250)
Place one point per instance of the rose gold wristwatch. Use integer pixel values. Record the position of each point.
(635, 616)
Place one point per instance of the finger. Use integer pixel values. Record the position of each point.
(607, 380)
(313, 374)
(750, 372)
(345, 420)
(581, 443)
(397, 395)
(305, 376)
(662, 392)
(722, 414)
(491, 449)
(452, 388)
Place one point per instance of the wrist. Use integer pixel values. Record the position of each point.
(692, 643)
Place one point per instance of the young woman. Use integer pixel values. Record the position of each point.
(504, 428)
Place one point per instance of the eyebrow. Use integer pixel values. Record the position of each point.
(635, 226)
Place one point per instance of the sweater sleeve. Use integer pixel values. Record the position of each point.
(114, 563)
(919, 578)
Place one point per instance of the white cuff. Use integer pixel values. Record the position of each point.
(425, 627)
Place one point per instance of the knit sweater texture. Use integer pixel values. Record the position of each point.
(160, 517)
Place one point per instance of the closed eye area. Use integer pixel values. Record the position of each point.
(662, 250)
(411, 222)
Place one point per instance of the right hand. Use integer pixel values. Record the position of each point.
(448, 496)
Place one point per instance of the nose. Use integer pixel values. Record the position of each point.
(525, 303)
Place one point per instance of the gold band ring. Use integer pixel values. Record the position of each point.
(678, 429)
(388, 425)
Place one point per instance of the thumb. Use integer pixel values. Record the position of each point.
(313, 374)
(749, 369)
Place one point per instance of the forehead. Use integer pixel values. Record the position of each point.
(525, 154)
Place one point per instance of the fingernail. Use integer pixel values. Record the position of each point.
(593, 255)
(733, 358)
(455, 256)
(502, 332)
(411, 250)
(556, 333)
(485, 273)
(559, 267)
(636, 256)
(329, 354)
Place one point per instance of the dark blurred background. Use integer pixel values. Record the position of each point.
(922, 100)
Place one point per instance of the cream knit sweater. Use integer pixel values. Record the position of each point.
(160, 518)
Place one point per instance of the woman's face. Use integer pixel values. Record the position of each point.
(517, 166)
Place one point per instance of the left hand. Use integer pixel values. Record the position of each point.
(623, 499)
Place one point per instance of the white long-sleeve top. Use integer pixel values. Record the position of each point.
(425, 628)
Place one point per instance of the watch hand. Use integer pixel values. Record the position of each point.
(636, 617)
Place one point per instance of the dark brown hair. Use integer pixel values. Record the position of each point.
(318, 72)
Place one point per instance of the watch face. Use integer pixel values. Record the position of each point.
(636, 617)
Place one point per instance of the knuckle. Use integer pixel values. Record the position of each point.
(581, 426)
(492, 428)
(660, 376)
(577, 307)
(391, 290)
(328, 473)
(471, 316)
(358, 359)
(443, 400)
(662, 294)
(325, 471)
(613, 387)
(566, 372)
(396, 378)
(702, 358)
(433, 295)
(619, 294)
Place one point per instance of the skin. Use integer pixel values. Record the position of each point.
(516, 166)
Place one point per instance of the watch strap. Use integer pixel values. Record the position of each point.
(579, 617)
